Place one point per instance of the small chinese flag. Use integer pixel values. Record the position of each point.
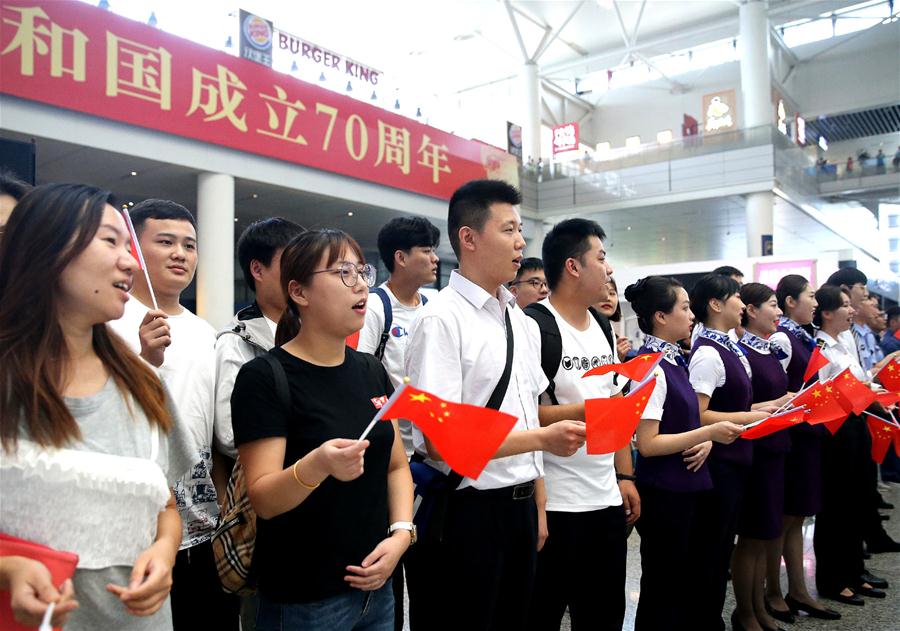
(776, 423)
(134, 240)
(889, 375)
(352, 340)
(816, 362)
(610, 423)
(853, 395)
(466, 436)
(823, 405)
(887, 399)
(883, 434)
(635, 369)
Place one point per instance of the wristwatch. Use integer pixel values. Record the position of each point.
(404, 525)
(625, 476)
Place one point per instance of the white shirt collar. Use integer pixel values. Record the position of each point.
(476, 295)
(829, 341)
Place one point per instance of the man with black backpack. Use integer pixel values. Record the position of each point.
(590, 498)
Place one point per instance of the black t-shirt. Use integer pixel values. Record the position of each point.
(302, 554)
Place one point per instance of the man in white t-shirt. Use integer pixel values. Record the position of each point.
(480, 574)
(182, 346)
(590, 498)
(408, 248)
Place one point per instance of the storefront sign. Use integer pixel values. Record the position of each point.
(514, 140)
(770, 273)
(256, 38)
(306, 53)
(719, 113)
(75, 56)
(565, 138)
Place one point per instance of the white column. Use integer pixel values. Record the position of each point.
(535, 240)
(760, 220)
(756, 101)
(756, 81)
(215, 244)
(531, 128)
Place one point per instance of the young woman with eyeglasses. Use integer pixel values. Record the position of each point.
(333, 512)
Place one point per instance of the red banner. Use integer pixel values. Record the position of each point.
(79, 57)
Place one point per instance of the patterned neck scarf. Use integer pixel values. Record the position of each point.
(670, 351)
(797, 331)
(722, 339)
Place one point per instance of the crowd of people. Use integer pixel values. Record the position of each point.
(124, 417)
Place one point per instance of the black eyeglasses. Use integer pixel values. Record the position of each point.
(537, 283)
(350, 273)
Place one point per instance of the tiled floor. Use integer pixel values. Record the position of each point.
(876, 615)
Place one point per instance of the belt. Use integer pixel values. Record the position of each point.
(522, 491)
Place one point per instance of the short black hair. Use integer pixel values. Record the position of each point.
(11, 185)
(470, 206)
(405, 233)
(847, 276)
(568, 239)
(530, 264)
(754, 294)
(829, 297)
(893, 313)
(650, 295)
(728, 270)
(709, 287)
(791, 286)
(261, 240)
(159, 209)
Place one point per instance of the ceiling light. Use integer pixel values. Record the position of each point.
(131, 203)
(255, 195)
(628, 228)
(663, 239)
(349, 213)
(235, 220)
(133, 173)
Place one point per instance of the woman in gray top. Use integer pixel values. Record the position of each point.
(89, 444)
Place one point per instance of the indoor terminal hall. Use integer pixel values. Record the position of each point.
(442, 315)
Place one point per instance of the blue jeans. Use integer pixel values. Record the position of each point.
(352, 611)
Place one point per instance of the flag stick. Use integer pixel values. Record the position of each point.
(774, 414)
(787, 403)
(882, 419)
(384, 407)
(137, 248)
(48, 615)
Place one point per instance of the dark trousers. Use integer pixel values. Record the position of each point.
(838, 537)
(582, 567)
(481, 576)
(717, 518)
(669, 559)
(198, 601)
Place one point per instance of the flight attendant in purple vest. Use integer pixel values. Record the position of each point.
(672, 474)
(803, 464)
(720, 376)
(762, 511)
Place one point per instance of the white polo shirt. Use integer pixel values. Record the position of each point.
(707, 370)
(581, 482)
(457, 351)
(840, 353)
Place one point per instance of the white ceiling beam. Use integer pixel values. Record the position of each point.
(548, 113)
(543, 46)
(637, 23)
(515, 25)
(676, 85)
(621, 24)
(560, 91)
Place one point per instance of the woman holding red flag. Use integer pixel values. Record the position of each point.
(334, 513)
(838, 542)
(720, 376)
(803, 466)
(671, 471)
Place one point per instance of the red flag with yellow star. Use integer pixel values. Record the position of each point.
(610, 423)
(635, 369)
(466, 436)
(823, 405)
(853, 395)
(887, 399)
(889, 376)
(816, 362)
(883, 434)
(775, 423)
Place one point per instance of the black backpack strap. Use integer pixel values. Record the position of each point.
(424, 299)
(606, 325)
(551, 345)
(388, 319)
(281, 384)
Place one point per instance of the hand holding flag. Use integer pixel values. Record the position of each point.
(466, 436)
(612, 422)
(636, 369)
(775, 423)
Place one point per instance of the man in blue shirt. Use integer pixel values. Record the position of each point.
(889, 343)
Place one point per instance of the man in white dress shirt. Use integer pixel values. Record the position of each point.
(481, 574)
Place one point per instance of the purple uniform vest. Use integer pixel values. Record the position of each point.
(735, 395)
(681, 413)
(769, 382)
(799, 360)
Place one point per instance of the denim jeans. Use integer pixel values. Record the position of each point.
(352, 611)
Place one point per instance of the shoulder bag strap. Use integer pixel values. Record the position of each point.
(388, 318)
